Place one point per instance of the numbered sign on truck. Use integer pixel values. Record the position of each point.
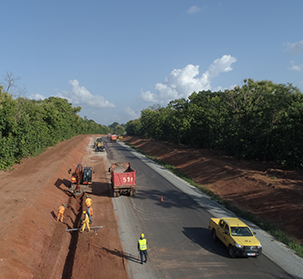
(123, 179)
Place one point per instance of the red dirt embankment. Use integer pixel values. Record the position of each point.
(33, 244)
(269, 192)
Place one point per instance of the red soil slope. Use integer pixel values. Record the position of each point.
(33, 244)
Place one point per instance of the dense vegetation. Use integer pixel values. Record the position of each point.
(27, 127)
(117, 129)
(260, 120)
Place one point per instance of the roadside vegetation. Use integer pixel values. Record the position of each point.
(117, 129)
(259, 121)
(281, 236)
(28, 127)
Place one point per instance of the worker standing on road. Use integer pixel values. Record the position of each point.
(60, 213)
(88, 203)
(85, 222)
(142, 247)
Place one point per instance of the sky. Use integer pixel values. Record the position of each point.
(115, 58)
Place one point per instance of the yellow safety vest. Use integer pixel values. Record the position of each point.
(88, 202)
(142, 243)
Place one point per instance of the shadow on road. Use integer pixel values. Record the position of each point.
(123, 255)
(202, 237)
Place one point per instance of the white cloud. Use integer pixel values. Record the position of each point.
(148, 97)
(79, 95)
(193, 10)
(294, 48)
(296, 67)
(182, 82)
(132, 113)
(36, 97)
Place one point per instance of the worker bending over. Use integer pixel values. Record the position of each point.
(60, 213)
(142, 248)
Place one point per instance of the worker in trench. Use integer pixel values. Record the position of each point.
(89, 208)
(85, 222)
(60, 212)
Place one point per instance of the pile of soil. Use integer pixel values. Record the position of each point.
(266, 190)
(33, 244)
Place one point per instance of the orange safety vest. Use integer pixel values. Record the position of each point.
(61, 209)
(91, 211)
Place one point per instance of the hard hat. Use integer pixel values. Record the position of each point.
(63, 204)
(84, 212)
(142, 235)
(87, 196)
(80, 219)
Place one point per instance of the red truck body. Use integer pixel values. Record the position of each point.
(123, 179)
(113, 138)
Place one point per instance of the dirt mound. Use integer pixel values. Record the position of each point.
(264, 189)
(33, 244)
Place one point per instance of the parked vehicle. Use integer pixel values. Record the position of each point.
(123, 179)
(236, 236)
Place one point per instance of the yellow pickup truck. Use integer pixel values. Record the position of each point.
(236, 236)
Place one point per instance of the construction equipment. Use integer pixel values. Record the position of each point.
(98, 143)
(81, 176)
(123, 179)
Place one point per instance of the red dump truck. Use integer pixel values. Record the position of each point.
(113, 138)
(123, 179)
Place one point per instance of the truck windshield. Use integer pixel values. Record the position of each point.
(240, 231)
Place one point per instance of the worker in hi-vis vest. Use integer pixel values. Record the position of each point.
(85, 222)
(89, 208)
(60, 212)
(142, 247)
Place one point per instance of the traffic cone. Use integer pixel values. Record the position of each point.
(161, 198)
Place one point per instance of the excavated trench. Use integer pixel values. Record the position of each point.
(75, 209)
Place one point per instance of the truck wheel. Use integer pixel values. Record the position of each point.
(231, 251)
(213, 234)
(133, 193)
(118, 194)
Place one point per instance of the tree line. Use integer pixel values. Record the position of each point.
(260, 120)
(28, 127)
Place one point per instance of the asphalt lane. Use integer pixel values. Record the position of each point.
(180, 245)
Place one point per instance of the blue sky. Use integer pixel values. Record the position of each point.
(116, 57)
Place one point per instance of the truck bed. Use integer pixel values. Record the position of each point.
(123, 175)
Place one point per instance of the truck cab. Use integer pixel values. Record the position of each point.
(236, 236)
